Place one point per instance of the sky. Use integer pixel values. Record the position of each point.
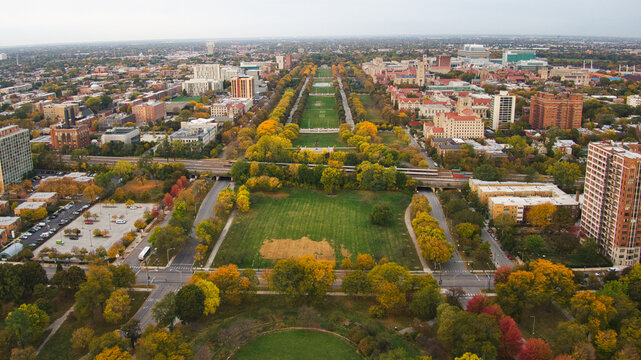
(66, 21)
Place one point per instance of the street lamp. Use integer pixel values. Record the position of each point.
(533, 322)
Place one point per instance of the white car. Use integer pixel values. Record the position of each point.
(121, 221)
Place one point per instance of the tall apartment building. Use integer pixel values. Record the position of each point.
(15, 155)
(210, 47)
(502, 108)
(149, 112)
(242, 87)
(64, 111)
(207, 71)
(612, 200)
(562, 111)
(75, 137)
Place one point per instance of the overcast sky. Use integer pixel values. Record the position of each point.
(62, 21)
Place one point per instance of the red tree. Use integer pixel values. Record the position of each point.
(535, 349)
(511, 338)
(168, 201)
(494, 310)
(501, 274)
(183, 182)
(477, 303)
(175, 190)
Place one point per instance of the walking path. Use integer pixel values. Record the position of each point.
(219, 242)
(410, 229)
(300, 94)
(54, 327)
(348, 111)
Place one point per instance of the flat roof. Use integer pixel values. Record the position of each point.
(8, 220)
(31, 205)
(42, 195)
(566, 200)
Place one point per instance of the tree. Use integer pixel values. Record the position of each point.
(131, 330)
(381, 214)
(93, 294)
(207, 230)
(117, 306)
(364, 262)
(594, 310)
(124, 169)
(565, 174)
(541, 215)
(162, 344)
(562, 220)
(511, 338)
(113, 353)
(468, 356)
(305, 276)
(164, 311)
(605, 342)
(28, 353)
(419, 203)
(212, 296)
(27, 323)
(69, 279)
(234, 287)
(464, 332)
(487, 172)
(168, 201)
(535, 349)
(356, 282)
(166, 237)
(122, 276)
(331, 179)
(434, 248)
(81, 338)
(425, 302)
(190, 303)
(477, 303)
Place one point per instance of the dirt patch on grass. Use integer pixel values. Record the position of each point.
(346, 253)
(134, 186)
(279, 194)
(287, 248)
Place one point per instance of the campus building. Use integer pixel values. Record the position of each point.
(199, 87)
(65, 111)
(242, 87)
(464, 125)
(474, 51)
(15, 155)
(612, 200)
(75, 137)
(562, 111)
(511, 56)
(125, 135)
(502, 108)
(149, 112)
(207, 71)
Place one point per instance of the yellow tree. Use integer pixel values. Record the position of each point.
(594, 310)
(435, 249)
(541, 215)
(552, 281)
(117, 306)
(113, 353)
(364, 262)
(212, 296)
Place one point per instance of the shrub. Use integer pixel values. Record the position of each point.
(381, 215)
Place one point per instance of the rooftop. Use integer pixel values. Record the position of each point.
(42, 195)
(8, 220)
(31, 205)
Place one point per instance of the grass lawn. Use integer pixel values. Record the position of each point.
(324, 140)
(186, 98)
(545, 320)
(320, 112)
(388, 138)
(59, 346)
(373, 114)
(296, 222)
(322, 89)
(320, 72)
(153, 187)
(298, 344)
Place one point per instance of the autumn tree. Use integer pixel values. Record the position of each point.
(356, 282)
(117, 306)
(208, 229)
(305, 276)
(535, 349)
(234, 287)
(541, 215)
(162, 344)
(331, 179)
(596, 311)
(113, 353)
(27, 323)
(364, 262)
(212, 296)
(81, 338)
(511, 339)
(93, 294)
(419, 203)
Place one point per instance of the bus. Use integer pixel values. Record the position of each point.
(144, 253)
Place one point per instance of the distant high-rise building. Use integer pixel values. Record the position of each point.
(443, 61)
(242, 87)
(210, 47)
(149, 112)
(562, 111)
(207, 72)
(3, 56)
(516, 55)
(15, 155)
(420, 73)
(502, 108)
(611, 201)
(280, 61)
(474, 51)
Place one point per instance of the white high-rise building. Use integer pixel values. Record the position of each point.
(210, 47)
(3, 56)
(207, 72)
(502, 108)
(280, 61)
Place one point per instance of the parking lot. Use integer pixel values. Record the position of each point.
(116, 219)
(33, 238)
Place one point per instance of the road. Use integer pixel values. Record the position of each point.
(348, 111)
(295, 106)
(455, 264)
(430, 162)
(498, 255)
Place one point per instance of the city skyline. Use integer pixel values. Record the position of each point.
(69, 21)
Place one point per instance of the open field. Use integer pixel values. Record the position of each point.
(373, 114)
(186, 98)
(152, 187)
(324, 72)
(322, 88)
(59, 346)
(282, 225)
(298, 344)
(320, 112)
(324, 140)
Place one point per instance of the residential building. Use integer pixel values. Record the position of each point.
(29, 205)
(9, 224)
(474, 51)
(207, 71)
(125, 135)
(75, 137)
(612, 200)
(242, 87)
(15, 155)
(199, 87)
(198, 130)
(210, 47)
(4, 207)
(149, 112)
(516, 55)
(280, 62)
(48, 197)
(231, 107)
(562, 111)
(633, 100)
(65, 111)
(502, 108)
(464, 125)
(117, 119)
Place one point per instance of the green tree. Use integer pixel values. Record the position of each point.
(381, 214)
(70, 279)
(425, 302)
(190, 303)
(122, 276)
(92, 295)
(331, 179)
(356, 282)
(565, 174)
(164, 311)
(27, 323)
(487, 172)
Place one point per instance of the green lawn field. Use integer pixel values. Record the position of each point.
(324, 72)
(297, 344)
(373, 114)
(320, 112)
(324, 140)
(186, 98)
(334, 225)
(322, 89)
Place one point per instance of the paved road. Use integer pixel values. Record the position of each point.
(300, 94)
(430, 162)
(455, 264)
(348, 111)
(498, 255)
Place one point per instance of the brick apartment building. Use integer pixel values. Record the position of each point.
(562, 111)
(75, 137)
(149, 112)
(242, 87)
(612, 200)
